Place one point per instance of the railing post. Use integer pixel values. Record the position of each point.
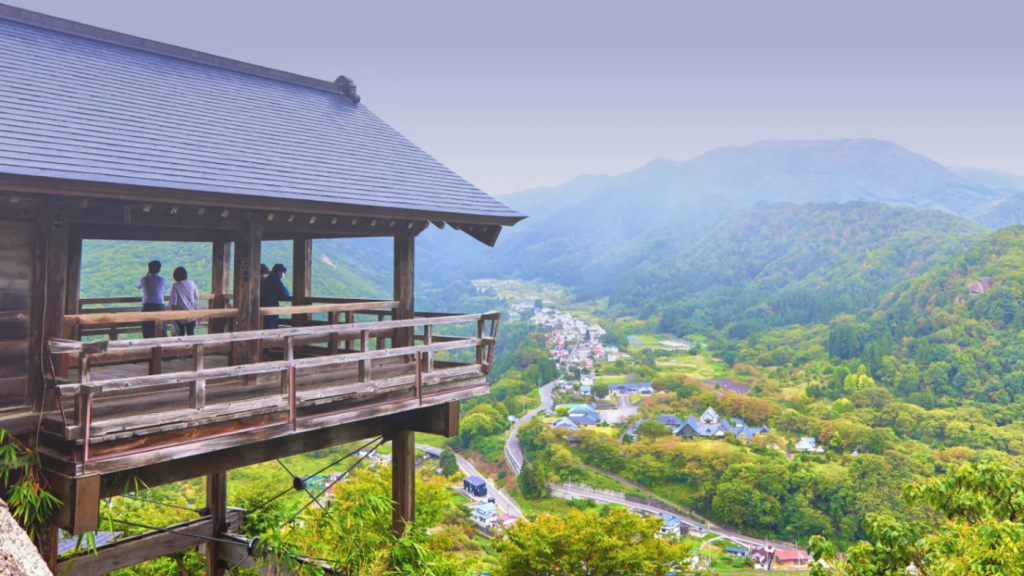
(197, 394)
(428, 339)
(83, 403)
(333, 344)
(289, 355)
(350, 318)
(381, 340)
(481, 347)
(364, 365)
(156, 361)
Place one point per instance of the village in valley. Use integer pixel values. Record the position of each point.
(593, 394)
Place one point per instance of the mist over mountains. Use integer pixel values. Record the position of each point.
(593, 230)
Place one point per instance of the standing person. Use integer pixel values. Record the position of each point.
(272, 291)
(264, 272)
(153, 286)
(184, 294)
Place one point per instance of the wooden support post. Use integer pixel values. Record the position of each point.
(72, 301)
(247, 290)
(83, 404)
(217, 503)
(197, 394)
(49, 549)
(289, 355)
(404, 289)
(219, 282)
(403, 479)
(302, 268)
(54, 239)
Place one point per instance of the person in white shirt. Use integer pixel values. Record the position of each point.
(184, 295)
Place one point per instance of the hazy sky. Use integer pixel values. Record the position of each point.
(520, 94)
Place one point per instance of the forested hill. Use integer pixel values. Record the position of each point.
(954, 332)
(583, 232)
(778, 264)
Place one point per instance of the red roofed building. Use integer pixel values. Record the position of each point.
(791, 557)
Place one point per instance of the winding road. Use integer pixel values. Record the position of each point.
(514, 457)
(501, 499)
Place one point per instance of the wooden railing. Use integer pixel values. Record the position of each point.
(87, 390)
(114, 326)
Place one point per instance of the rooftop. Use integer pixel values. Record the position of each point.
(80, 105)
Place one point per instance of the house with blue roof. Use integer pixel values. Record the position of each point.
(641, 388)
(483, 513)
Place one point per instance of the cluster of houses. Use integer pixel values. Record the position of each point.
(641, 388)
(709, 425)
(767, 557)
(573, 343)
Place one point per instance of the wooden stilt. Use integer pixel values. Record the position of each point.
(403, 479)
(217, 502)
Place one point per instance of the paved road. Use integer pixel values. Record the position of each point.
(513, 451)
(503, 500)
(570, 493)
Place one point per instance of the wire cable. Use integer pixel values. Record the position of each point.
(302, 481)
(331, 485)
(286, 490)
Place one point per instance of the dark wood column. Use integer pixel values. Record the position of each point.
(50, 290)
(403, 479)
(219, 275)
(405, 284)
(217, 502)
(247, 288)
(302, 276)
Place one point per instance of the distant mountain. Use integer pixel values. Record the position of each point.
(587, 232)
(780, 263)
(994, 179)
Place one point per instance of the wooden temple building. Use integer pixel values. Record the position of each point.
(110, 136)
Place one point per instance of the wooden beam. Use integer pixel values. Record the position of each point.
(80, 502)
(93, 319)
(320, 308)
(142, 547)
(302, 275)
(217, 504)
(403, 478)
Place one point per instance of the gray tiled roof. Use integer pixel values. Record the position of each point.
(90, 105)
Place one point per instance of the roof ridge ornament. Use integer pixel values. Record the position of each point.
(348, 88)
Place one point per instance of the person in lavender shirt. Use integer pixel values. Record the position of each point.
(184, 295)
(153, 286)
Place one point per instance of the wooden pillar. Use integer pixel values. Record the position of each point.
(405, 284)
(50, 287)
(247, 290)
(302, 276)
(219, 282)
(403, 479)
(72, 299)
(217, 503)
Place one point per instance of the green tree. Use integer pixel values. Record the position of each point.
(449, 464)
(533, 482)
(982, 533)
(580, 544)
(652, 429)
(599, 389)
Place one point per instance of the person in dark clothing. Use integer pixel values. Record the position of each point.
(272, 291)
(153, 287)
(264, 272)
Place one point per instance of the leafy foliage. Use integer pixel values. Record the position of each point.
(32, 505)
(579, 544)
(982, 532)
